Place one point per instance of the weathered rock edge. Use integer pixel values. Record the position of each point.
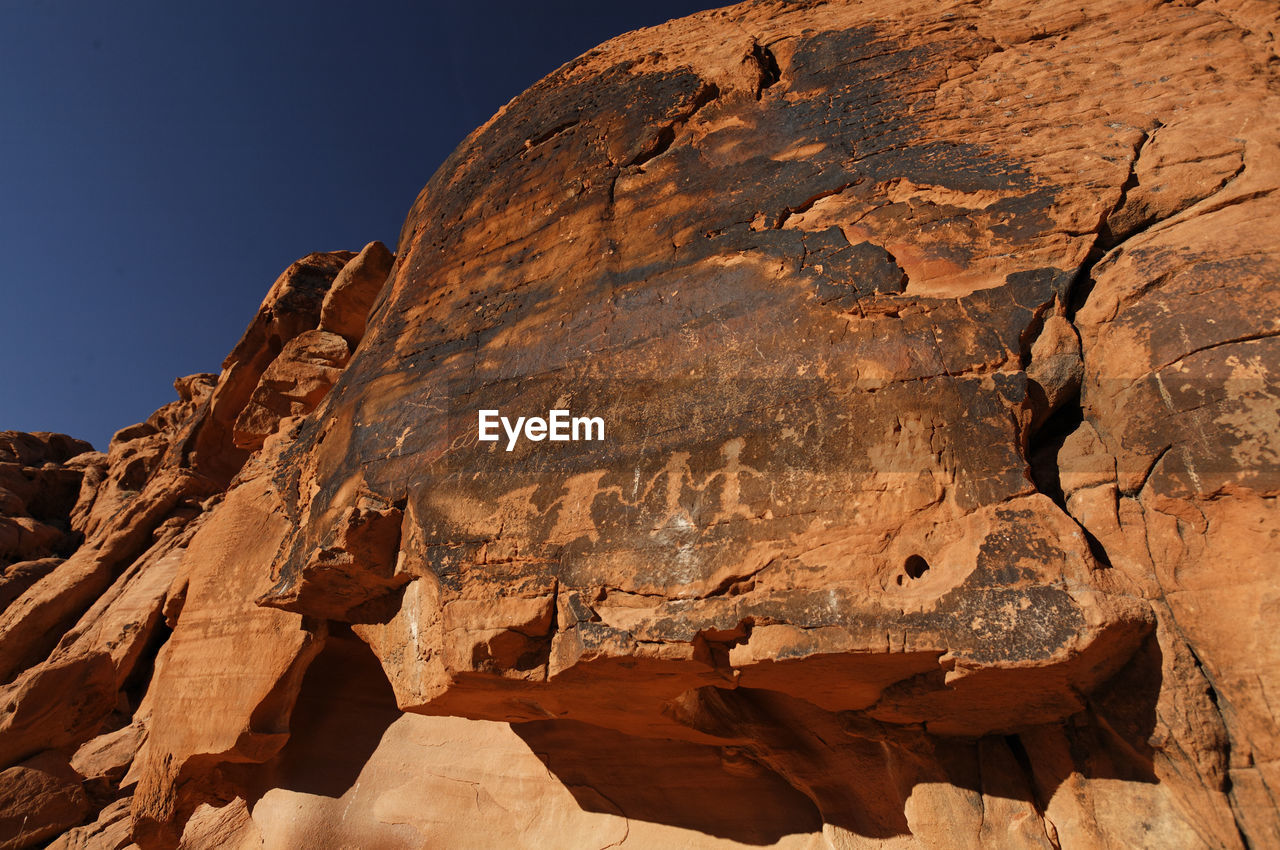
(937, 351)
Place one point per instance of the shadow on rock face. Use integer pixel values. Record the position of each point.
(720, 791)
(343, 709)
(765, 765)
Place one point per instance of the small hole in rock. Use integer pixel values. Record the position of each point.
(916, 566)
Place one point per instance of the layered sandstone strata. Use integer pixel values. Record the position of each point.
(936, 350)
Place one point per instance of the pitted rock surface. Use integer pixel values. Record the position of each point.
(935, 346)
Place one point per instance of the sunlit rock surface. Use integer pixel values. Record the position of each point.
(936, 347)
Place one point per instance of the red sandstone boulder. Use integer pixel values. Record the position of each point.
(39, 799)
(303, 371)
(347, 304)
(935, 506)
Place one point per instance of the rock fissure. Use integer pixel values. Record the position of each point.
(767, 72)
(1219, 344)
(666, 135)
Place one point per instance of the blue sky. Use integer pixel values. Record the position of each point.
(161, 163)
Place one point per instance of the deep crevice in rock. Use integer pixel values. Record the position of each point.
(767, 67)
(1023, 759)
(1106, 240)
(1106, 236)
(1043, 447)
(666, 135)
(1227, 785)
(1042, 454)
(139, 680)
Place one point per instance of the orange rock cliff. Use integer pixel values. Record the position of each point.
(937, 350)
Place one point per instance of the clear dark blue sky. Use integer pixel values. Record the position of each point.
(162, 162)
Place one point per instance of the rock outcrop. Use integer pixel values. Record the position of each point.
(40, 477)
(80, 629)
(935, 347)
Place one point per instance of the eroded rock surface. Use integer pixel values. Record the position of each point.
(80, 631)
(936, 505)
(40, 477)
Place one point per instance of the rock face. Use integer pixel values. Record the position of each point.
(80, 630)
(40, 477)
(935, 347)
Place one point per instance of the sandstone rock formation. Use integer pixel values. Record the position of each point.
(40, 478)
(937, 350)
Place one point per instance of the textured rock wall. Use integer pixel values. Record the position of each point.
(937, 506)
